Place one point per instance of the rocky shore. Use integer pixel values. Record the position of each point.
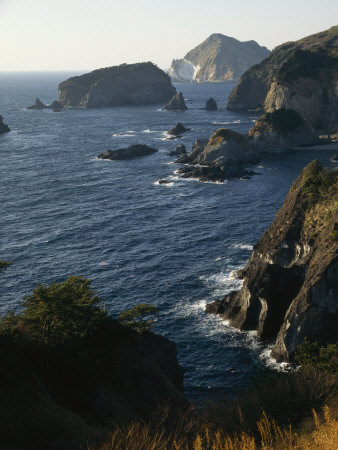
(290, 289)
(133, 151)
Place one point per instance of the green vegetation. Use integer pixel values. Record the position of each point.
(224, 133)
(4, 264)
(138, 317)
(281, 120)
(306, 63)
(324, 358)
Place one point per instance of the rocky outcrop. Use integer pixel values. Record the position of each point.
(290, 288)
(176, 103)
(218, 58)
(179, 150)
(37, 105)
(124, 85)
(224, 155)
(211, 105)
(280, 130)
(178, 129)
(133, 151)
(301, 75)
(3, 127)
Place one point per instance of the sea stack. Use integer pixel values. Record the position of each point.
(178, 129)
(3, 127)
(177, 103)
(124, 85)
(37, 105)
(211, 105)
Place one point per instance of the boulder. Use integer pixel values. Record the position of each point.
(3, 127)
(177, 103)
(178, 129)
(211, 105)
(280, 130)
(37, 105)
(124, 85)
(134, 151)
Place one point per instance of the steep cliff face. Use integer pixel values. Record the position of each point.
(280, 130)
(301, 75)
(127, 84)
(218, 58)
(290, 284)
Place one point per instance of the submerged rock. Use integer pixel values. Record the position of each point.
(290, 289)
(177, 103)
(178, 129)
(3, 127)
(164, 181)
(211, 105)
(37, 105)
(134, 151)
(280, 130)
(179, 150)
(127, 84)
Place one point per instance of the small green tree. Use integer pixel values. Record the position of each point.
(323, 357)
(61, 313)
(139, 317)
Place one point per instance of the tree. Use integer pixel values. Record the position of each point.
(61, 313)
(135, 317)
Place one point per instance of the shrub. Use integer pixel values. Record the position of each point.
(136, 317)
(321, 357)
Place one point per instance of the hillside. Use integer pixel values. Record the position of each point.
(218, 58)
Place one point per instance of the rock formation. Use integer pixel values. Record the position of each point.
(223, 155)
(218, 58)
(3, 127)
(178, 129)
(176, 103)
(280, 130)
(179, 150)
(127, 84)
(133, 151)
(301, 75)
(37, 105)
(211, 105)
(290, 288)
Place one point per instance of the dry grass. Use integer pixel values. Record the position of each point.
(271, 437)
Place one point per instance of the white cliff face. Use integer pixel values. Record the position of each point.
(182, 71)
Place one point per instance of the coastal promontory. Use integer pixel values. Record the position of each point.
(300, 75)
(290, 289)
(124, 85)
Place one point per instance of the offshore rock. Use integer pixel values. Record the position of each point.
(280, 130)
(177, 103)
(301, 75)
(3, 127)
(211, 105)
(133, 151)
(55, 105)
(290, 289)
(178, 129)
(37, 105)
(218, 58)
(179, 150)
(124, 85)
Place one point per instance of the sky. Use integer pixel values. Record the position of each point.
(82, 35)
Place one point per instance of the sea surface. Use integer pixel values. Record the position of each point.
(176, 246)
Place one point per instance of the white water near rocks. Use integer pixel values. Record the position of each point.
(177, 245)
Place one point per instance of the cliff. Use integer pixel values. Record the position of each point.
(218, 58)
(290, 288)
(3, 127)
(127, 84)
(300, 75)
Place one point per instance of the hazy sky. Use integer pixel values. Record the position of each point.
(84, 34)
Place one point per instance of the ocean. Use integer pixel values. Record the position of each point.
(177, 246)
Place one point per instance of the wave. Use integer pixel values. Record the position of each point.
(243, 246)
(223, 282)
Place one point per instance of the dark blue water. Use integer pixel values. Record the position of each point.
(176, 246)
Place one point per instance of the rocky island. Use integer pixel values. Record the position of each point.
(176, 103)
(218, 58)
(299, 75)
(3, 127)
(290, 289)
(124, 85)
(133, 151)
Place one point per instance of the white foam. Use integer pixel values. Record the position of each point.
(243, 246)
(223, 282)
(104, 263)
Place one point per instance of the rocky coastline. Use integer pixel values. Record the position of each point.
(290, 289)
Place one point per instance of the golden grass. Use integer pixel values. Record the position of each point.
(270, 437)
